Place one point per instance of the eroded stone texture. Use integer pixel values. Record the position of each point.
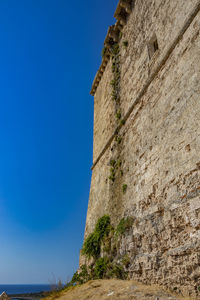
(160, 146)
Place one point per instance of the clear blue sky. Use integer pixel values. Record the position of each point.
(49, 54)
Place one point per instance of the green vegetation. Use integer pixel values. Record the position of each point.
(124, 188)
(114, 166)
(113, 83)
(92, 244)
(118, 115)
(122, 122)
(126, 260)
(115, 49)
(112, 170)
(118, 139)
(101, 267)
(112, 162)
(116, 72)
(81, 277)
(114, 95)
(124, 225)
(104, 268)
(117, 271)
(112, 174)
(107, 244)
(119, 163)
(113, 67)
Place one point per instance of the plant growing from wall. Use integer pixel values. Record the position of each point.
(118, 139)
(115, 165)
(101, 267)
(115, 83)
(122, 122)
(112, 162)
(126, 260)
(104, 266)
(112, 174)
(82, 276)
(107, 244)
(117, 271)
(124, 188)
(92, 244)
(118, 114)
(118, 163)
(124, 225)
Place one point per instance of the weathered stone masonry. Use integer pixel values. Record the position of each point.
(159, 150)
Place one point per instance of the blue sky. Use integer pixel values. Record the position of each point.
(49, 54)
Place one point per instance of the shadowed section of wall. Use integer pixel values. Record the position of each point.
(159, 145)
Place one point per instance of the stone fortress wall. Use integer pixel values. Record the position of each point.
(152, 131)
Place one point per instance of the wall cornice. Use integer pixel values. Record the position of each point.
(122, 12)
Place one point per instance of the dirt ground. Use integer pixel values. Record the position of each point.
(117, 290)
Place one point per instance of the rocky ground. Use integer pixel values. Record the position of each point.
(116, 290)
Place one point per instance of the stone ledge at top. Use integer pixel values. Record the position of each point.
(122, 12)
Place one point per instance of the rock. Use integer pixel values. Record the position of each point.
(4, 296)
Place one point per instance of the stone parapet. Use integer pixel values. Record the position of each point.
(122, 12)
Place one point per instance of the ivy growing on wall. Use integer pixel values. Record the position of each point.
(115, 84)
(92, 244)
(104, 265)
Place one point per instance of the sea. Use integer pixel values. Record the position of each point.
(13, 289)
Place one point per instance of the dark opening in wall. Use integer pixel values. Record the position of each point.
(152, 46)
